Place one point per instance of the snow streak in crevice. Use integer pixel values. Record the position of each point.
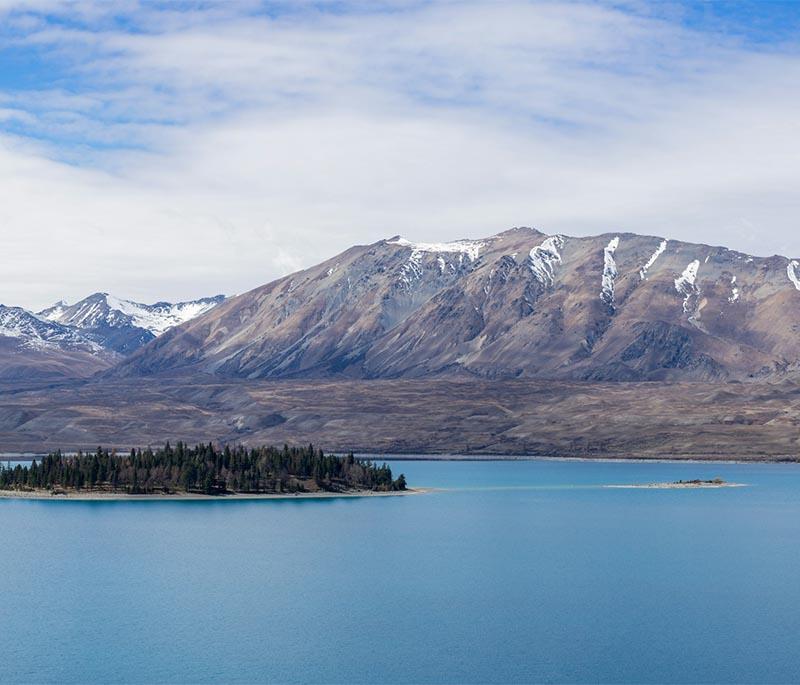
(685, 283)
(791, 272)
(659, 251)
(609, 272)
(544, 258)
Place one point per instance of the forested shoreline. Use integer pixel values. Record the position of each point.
(203, 469)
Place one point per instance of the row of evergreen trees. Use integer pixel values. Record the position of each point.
(202, 469)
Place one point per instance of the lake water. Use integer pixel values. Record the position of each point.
(520, 571)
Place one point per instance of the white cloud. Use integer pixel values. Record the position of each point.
(264, 145)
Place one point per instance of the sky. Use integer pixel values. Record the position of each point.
(173, 150)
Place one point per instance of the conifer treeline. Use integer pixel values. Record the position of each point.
(202, 469)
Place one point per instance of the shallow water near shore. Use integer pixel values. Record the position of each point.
(519, 571)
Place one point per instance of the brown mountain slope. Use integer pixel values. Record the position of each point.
(518, 304)
(20, 364)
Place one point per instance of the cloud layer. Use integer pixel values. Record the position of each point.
(173, 151)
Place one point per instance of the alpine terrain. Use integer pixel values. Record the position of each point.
(520, 304)
(33, 349)
(121, 325)
(77, 341)
(660, 348)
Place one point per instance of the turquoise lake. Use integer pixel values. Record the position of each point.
(521, 571)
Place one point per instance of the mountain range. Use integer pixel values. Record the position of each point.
(519, 343)
(36, 349)
(121, 325)
(520, 304)
(77, 341)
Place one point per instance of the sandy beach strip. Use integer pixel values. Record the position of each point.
(188, 497)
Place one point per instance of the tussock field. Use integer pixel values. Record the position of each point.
(434, 416)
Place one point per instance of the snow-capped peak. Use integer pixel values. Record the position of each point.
(413, 270)
(470, 248)
(103, 310)
(33, 332)
(53, 313)
(162, 316)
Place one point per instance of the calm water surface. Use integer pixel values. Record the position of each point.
(517, 572)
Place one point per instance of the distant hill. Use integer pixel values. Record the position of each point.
(121, 325)
(520, 304)
(76, 341)
(33, 349)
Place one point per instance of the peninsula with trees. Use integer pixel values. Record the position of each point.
(201, 471)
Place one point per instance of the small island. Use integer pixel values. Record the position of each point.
(199, 472)
(683, 484)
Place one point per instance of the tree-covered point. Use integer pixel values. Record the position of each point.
(202, 469)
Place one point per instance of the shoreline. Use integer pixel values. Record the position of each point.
(194, 497)
(605, 460)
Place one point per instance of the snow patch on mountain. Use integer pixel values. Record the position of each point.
(35, 334)
(659, 251)
(162, 316)
(545, 257)
(734, 291)
(609, 272)
(414, 268)
(791, 272)
(469, 248)
(104, 310)
(53, 313)
(685, 283)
